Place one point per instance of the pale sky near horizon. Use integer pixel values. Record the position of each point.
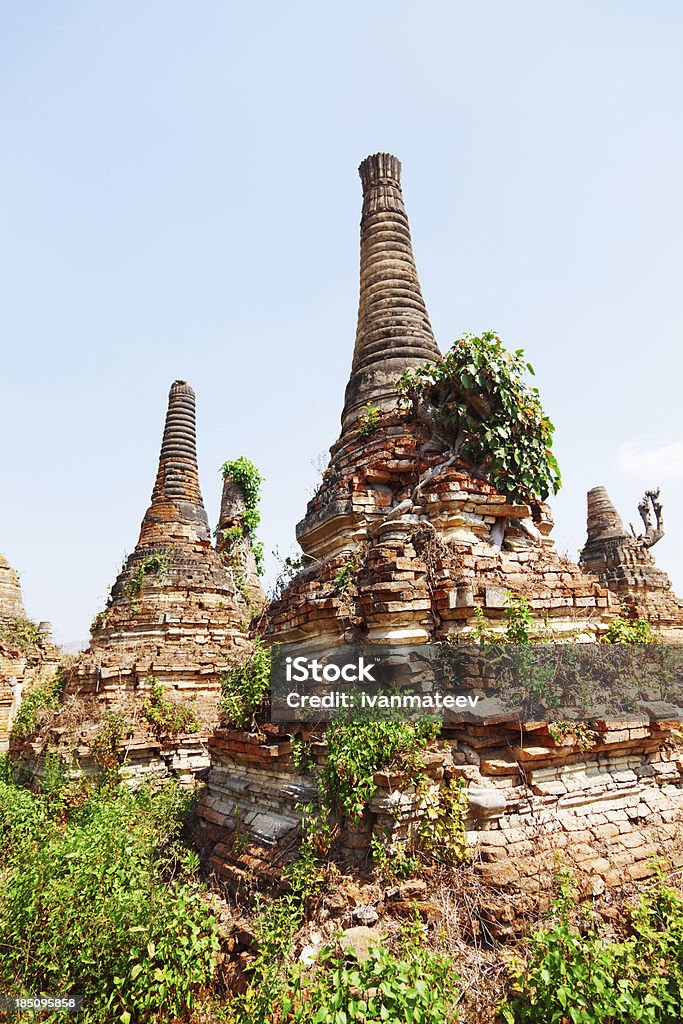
(180, 199)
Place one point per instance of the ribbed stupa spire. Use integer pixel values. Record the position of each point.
(177, 510)
(394, 332)
(604, 522)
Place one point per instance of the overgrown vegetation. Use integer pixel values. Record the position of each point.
(368, 420)
(44, 697)
(20, 634)
(571, 973)
(152, 565)
(103, 902)
(246, 687)
(249, 480)
(168, 717)
(414, 984)
(106, 745)
(478, 401)
(623, 631)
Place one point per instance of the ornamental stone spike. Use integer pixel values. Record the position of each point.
(177, 511)
(394, 332)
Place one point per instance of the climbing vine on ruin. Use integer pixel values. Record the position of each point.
(249, 480)
(477, 400)
(152, 565)
(246, 687)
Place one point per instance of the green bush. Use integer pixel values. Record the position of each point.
(621, 631)
(249, 480)
(413, 985)
(246, 687)
(167, 716)
(44, 697)
(490, 417)
(105, 905)
(573, 974)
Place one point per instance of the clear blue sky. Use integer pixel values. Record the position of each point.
(180, 199)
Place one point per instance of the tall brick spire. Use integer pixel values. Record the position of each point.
(394, 332)
(176, 513)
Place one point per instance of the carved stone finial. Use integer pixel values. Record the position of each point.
(652, 533)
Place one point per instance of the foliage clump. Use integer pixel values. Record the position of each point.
(622, 631)
(368, 420)
(20, 634)
(246, 687)
(477, 399)
(412, 983)
(104, 903)
(249, 480)
(152, 565)
(573, 974)
(168, 716)
(44, 697)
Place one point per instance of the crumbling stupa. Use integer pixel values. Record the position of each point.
(28, 656)
(401, 541)
(175, 618)
(623, 562)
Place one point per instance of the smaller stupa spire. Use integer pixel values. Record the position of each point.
(603, 521)
(177, 511)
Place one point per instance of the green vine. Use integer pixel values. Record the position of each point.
(45, 696)
(152, 565)
(477, 399)
(246, 687)
(168, 717)
(249, 480)
(21, 634)
(368, 421)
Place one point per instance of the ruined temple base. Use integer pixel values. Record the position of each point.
(609, 813)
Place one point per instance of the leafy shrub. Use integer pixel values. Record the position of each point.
(103, 905)
(152, 565)
(477, 396)
(44, 697)
(249, 480)
(106, 745)
(246, 687)
(20, 633)
(167, 716)
(368, 421)
(356, 750)
(573, 974)
(621, 631)
(415, 985)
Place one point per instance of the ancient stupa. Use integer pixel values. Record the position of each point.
(401, 541)
(174, 612)
(623, 562)
(27, 654)
(11, 602)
